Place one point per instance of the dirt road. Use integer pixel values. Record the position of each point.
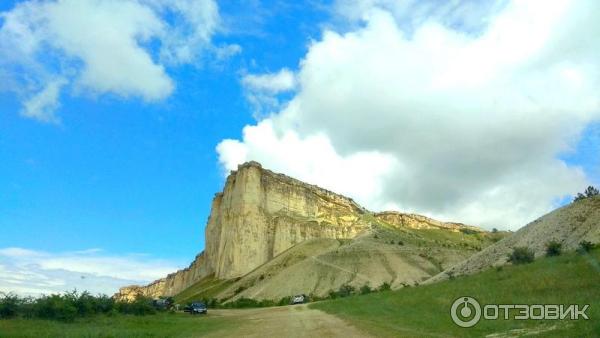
(285, 321)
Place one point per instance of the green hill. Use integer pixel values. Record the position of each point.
(425, 310)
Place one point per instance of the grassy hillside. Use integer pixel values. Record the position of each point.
(205, 288)
(425, 310)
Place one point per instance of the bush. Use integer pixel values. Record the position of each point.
(140, 306)
(585, 247)
(9, 305)
(553, 248)
(284, 301)
(385, 286)
(56, 307)
(365, 289)
(521, 255)
(400, 243)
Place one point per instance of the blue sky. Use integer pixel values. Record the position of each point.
(122, 169)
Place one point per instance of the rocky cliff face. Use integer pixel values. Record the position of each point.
(258, 215)
(415, 221)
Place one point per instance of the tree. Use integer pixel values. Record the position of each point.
(589, 192)
(553, 248)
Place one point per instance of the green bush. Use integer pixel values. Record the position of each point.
(56, 307)
(346, 290)
(365, 289)
(140, 306)
(585, 247)
(70, 305)
(385, 286)
(553, 248)
(284, 301)
(521, 255)
(9, 305)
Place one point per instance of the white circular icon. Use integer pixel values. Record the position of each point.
(469, 306)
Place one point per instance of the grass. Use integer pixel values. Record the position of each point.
(159, 325)
(424, 311)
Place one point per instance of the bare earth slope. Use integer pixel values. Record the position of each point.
(399, 256)
(568, 225)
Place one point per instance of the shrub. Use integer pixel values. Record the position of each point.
(332, 294)
(385, 286)
(346, 290)
(56, 307)
(553, 248)
(521, 255)
(365, 289)
(9, 305)
(400, 243)
(284, 301)
(585, 247)
(140, 306)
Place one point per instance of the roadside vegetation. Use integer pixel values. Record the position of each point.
(570, 278)
(69, 306)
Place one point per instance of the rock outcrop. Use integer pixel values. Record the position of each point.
(415, 221)
(258, 215)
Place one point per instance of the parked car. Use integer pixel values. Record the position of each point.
(299, 299)
(163, 304)
(196, 308)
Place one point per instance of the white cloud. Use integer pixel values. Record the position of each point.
(41, 106)
(312, 159)
(32, 272)
(101, 46)
(262, 90)
(470, 125)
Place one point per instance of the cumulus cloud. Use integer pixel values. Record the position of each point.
(101, 46)
(470, 126)
(30, 272)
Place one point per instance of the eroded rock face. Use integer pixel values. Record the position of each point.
(258, 215)
(415, 221)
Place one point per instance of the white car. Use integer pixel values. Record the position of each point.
(299, 299)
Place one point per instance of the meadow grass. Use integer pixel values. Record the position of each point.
(126, 326)
(425, 310)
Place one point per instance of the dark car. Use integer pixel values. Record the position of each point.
(196, 308)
